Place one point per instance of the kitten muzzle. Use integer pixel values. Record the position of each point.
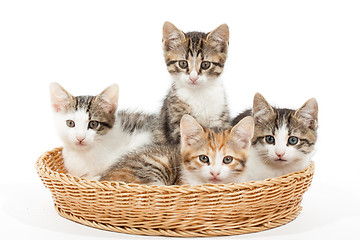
(193, 77)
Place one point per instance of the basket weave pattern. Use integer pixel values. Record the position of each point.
(182, 211)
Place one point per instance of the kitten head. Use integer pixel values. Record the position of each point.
(283, 136)
(82, 121)
(214, 155)
(195, 58)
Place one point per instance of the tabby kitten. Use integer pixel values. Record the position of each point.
(195, 60)
(284, 139)
(93, 133)
(204, 156)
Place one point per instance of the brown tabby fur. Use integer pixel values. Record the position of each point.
(187, 46)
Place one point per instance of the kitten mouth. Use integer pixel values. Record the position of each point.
(280, 160)
(214, 180)
(80, 144)
(190, 83)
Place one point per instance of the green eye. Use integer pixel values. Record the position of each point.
(70, 123)
(270, 139)
(293, 140)
(228, 159)
(93, 124)
(205, 65)
(183, 64)
(204, 158)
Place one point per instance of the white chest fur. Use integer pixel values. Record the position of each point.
(207, 102)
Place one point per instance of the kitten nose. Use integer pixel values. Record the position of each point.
(80, 139)
(280, 155)
(215, 174)
(193, 77)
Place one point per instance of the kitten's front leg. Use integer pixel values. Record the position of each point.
(175, 112)
(223, 121)
(219, 123)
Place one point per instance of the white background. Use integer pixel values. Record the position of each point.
(289, 51)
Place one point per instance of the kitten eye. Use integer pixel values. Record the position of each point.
(270, 139)
(204, 158)
(293, 140)
(205, 65)
(183, 64)
(93, 124)
(228, 159)
(70, 123)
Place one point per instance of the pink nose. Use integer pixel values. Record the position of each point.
(280, 155)
(80, 139)
(215, 174)
(193, 78)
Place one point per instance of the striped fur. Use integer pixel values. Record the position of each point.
(136, 121)
(194, 48)
(153, 165)
(196, 89)
(271, 159)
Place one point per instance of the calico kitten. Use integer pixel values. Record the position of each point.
(195, 60)
(284, 139)
(93, 133)
(204, 156)
(214, 155)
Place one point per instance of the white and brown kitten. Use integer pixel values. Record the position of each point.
(94, 134)
(284, 139)
(195, 61)
(212, 155)
(204, 156)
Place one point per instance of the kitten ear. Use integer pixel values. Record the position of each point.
(190, 130)
(308, 113)
(219, 36)
(109, 98)
(262, 110)
(60, 98)
(172, 36)
(242, 133)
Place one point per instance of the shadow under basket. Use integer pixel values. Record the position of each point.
(179, 211)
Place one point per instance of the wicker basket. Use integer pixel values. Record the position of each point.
(181, 211)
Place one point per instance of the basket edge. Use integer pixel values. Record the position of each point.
(45, 172)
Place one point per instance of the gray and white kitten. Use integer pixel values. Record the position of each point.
(195, 60)
(284, 139)
(94, 134)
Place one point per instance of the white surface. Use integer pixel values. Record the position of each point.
(289, 51)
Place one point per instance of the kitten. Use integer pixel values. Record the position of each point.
(214, 155)
(195, 60)
(284, 139)
(204, 156)
(93, 133)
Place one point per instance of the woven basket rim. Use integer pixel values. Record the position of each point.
(41, 167)
(121, 207)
